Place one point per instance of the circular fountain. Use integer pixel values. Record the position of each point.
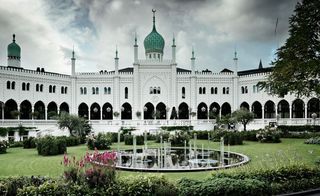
(166, 158)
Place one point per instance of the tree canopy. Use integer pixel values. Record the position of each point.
(297, 65)
(243, 116)
(77, 126)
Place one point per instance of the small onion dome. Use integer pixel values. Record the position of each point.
(14, 49)
(154, 42)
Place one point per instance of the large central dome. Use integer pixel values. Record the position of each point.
(154, 42)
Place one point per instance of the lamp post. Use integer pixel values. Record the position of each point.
(314, 116)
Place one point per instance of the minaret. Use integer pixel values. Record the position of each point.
(193, 59)
(260, 65)
(73, 64)
(135, 46)
(173, 50)
(14, 53)
(235, 59)
(116, 63)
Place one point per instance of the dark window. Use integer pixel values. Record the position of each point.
(50, 89)
(54, 89)
(65, 90)
(183, 93)
(151, 90)
(85, 90)
(62, 90)
(41, 87)
(212, 90)
(204, 90)
(109, 90)
(200, 90)
(37, 87)
(13, 85)
(81, 90)
(8, 84)
(126, 92)
(97, 90)
(159, 90)
(28, 86)
(23, 86)
(93, 91)
(105, 90)
(216, 90)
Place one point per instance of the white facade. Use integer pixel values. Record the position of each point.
(152, 84)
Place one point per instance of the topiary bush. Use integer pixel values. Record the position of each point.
(178, 138)
(313, 140)
(71, 140)
(3, 147)
(165, 136)
(101, 142)
(50, 145)
(128, 139)
(230, 137)
(268, 135)
(250, 135)
(29, 142)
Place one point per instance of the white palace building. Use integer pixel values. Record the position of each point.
(153, 92)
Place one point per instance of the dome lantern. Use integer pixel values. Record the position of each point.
(14, 53)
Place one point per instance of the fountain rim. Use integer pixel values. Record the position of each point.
(245, 160)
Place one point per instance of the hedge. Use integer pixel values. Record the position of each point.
(302, 128)
(3, 147)
(128, 139)
(101, 142)
(50, 145)
(29, 142)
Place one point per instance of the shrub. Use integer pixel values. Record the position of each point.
(128, 139)
(224, 186)
(147, 185)
(3, 131)
(71, 140)
(202, 135)
(179, 138)
(268, 135)
(3, 147)
(250, 135)
(16, 144)
(29, 142)
(101, 142)
(165, 136)
(303, 128)
(313, 140)
(50, 145)
(114, 137)
(182, 128)
(230, 137)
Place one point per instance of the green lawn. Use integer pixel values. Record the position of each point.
(19, 161)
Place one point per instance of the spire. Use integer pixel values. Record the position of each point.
(192, 54)
(73, 57)
(135, 38)
(260, 65)
(14, 38)
(235, 56)
(116, 52)
(154, 19)
(173, 41)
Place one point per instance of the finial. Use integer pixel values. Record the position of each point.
(14, 37)
(135, 38)
(116, 51)
(260, 64)
(173, 40)
(154, 18)
(235, 55)
(73, 51)
(192, 52)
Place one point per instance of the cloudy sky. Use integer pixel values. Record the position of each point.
(47, 30)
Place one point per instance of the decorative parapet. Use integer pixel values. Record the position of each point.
(155, 62)
(29, 71)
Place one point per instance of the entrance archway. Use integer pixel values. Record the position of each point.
(148, 111)
(269, 110)
(202, 112)
(107, 111)
(214, 111)
(225, 109)
(283, 109)
(52, 111)
(83, 111)
(183, 111)
(64, 107)
(39, 110)
(25, 110)
(313, 107)
(126, 111)
(257, 110)
(298, 109)
(95, 112)
(161, 112)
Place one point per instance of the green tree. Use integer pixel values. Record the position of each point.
(297, 65)
(243, 116)
(226, 120)
(77, 126)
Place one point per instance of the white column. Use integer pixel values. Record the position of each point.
(263, 112)
(290, 111)
(305, 110)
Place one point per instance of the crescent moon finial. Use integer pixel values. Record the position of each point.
(153, 10)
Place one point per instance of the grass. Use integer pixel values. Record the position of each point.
(19, 161)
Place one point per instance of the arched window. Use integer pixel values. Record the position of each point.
(183, 92)
(227, 90)
(93, 91)
(254, 88)
(62, 90)
(126, 92)
(85, 90)
(28, 86)
(13, 85)
(159, 90)
(200, 90)
(41, 87)
(224, 90)
(50, 89)
(216, 90)
(23, 86)
(97, 90)
(151, 90)
(212, 90)
(109, 90)
(81, 90)
(8, 84)
(54, 89)
(65, 90)
(246, 89)
(242, 90)
(154, 90)
(204, 90)
(105, 90)
(37, 87)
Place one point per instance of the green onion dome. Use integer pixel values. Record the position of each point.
(14, 49)
(154, 42)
